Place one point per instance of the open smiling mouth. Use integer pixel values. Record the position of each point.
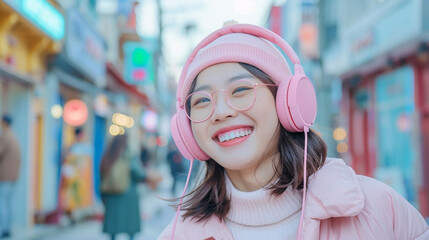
(233, 137)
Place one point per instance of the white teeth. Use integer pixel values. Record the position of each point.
(232, 135)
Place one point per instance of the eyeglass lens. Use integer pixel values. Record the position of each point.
(240, 96)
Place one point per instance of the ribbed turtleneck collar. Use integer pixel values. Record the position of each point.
(259, 207)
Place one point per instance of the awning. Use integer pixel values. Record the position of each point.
(111, 69)
(10, 74)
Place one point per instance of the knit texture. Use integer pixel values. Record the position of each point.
(259, 215)
(238, 47)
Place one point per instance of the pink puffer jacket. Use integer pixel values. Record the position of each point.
(340, 205)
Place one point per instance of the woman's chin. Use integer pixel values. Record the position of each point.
(235, 163)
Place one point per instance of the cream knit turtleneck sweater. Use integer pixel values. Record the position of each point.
(258, 215)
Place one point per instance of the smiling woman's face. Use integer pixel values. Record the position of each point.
(258, 126)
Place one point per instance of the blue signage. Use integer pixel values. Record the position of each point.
(396, 133)
(138, 64)
(45, 16)
(85, 48)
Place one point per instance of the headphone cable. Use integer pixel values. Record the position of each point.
(306, 130)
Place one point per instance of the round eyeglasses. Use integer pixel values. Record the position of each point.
(240, 95)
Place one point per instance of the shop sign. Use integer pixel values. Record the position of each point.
(309, 43)
(363, 42)
(75, 112)
(45, 16)
(85, 48)
(384, 34)
(396, 134)
(138, 64)
(375, 38)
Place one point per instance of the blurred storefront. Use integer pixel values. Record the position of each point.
(130, 102)
(382, 59)
(29, 33)
(76, 80)
(297, 22)
(127, 99)
(53, 80)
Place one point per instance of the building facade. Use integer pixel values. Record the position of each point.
(382, 58)
(30, 33)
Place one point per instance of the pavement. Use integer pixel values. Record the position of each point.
(156, 215)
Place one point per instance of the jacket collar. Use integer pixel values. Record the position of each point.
(334, 191)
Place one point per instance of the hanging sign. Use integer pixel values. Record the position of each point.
(75, 112)
(45, 16)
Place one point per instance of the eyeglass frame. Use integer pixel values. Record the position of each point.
(255, 85)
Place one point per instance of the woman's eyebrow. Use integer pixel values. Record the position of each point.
(241, 76)
(203, 87)
(235, 78)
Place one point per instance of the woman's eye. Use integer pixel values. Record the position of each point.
(241, 89)
(200, 101)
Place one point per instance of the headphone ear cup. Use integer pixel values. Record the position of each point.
(282, 106)
(175, 133)
(184, 139)
(296, 103)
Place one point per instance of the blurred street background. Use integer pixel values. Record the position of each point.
(76, 73)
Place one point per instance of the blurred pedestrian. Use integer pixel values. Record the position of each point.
(10, 161)
(77, 175)
(120, 172)
(177, 167)
(145, 156)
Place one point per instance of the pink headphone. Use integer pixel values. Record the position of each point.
(296, 102)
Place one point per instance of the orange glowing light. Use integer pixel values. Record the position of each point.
(75, 112)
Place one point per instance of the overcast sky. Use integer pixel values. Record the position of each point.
(200, 18)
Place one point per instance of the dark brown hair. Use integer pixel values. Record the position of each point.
(112, 153)
(210, 196)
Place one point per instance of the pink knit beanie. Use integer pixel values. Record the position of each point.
(236, 47)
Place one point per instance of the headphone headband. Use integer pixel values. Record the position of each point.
(237, 28)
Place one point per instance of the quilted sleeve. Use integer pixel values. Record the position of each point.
(393, 216)
(424, 236)
(408, 223)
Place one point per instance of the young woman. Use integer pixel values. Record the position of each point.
(267, 176)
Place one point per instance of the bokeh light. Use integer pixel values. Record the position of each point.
(149, 120)
(114, 130)
(123, 120)
(57, 111)
(161, 141)
(340, 134)
(130, 122)
(342, 147)
(75, 112)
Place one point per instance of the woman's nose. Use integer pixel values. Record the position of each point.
(222, 110)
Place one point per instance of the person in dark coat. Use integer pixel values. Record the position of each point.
(122, 211)
(10, 161)
(177, 167)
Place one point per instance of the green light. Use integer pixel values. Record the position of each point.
(140, 57)
(138, 64)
